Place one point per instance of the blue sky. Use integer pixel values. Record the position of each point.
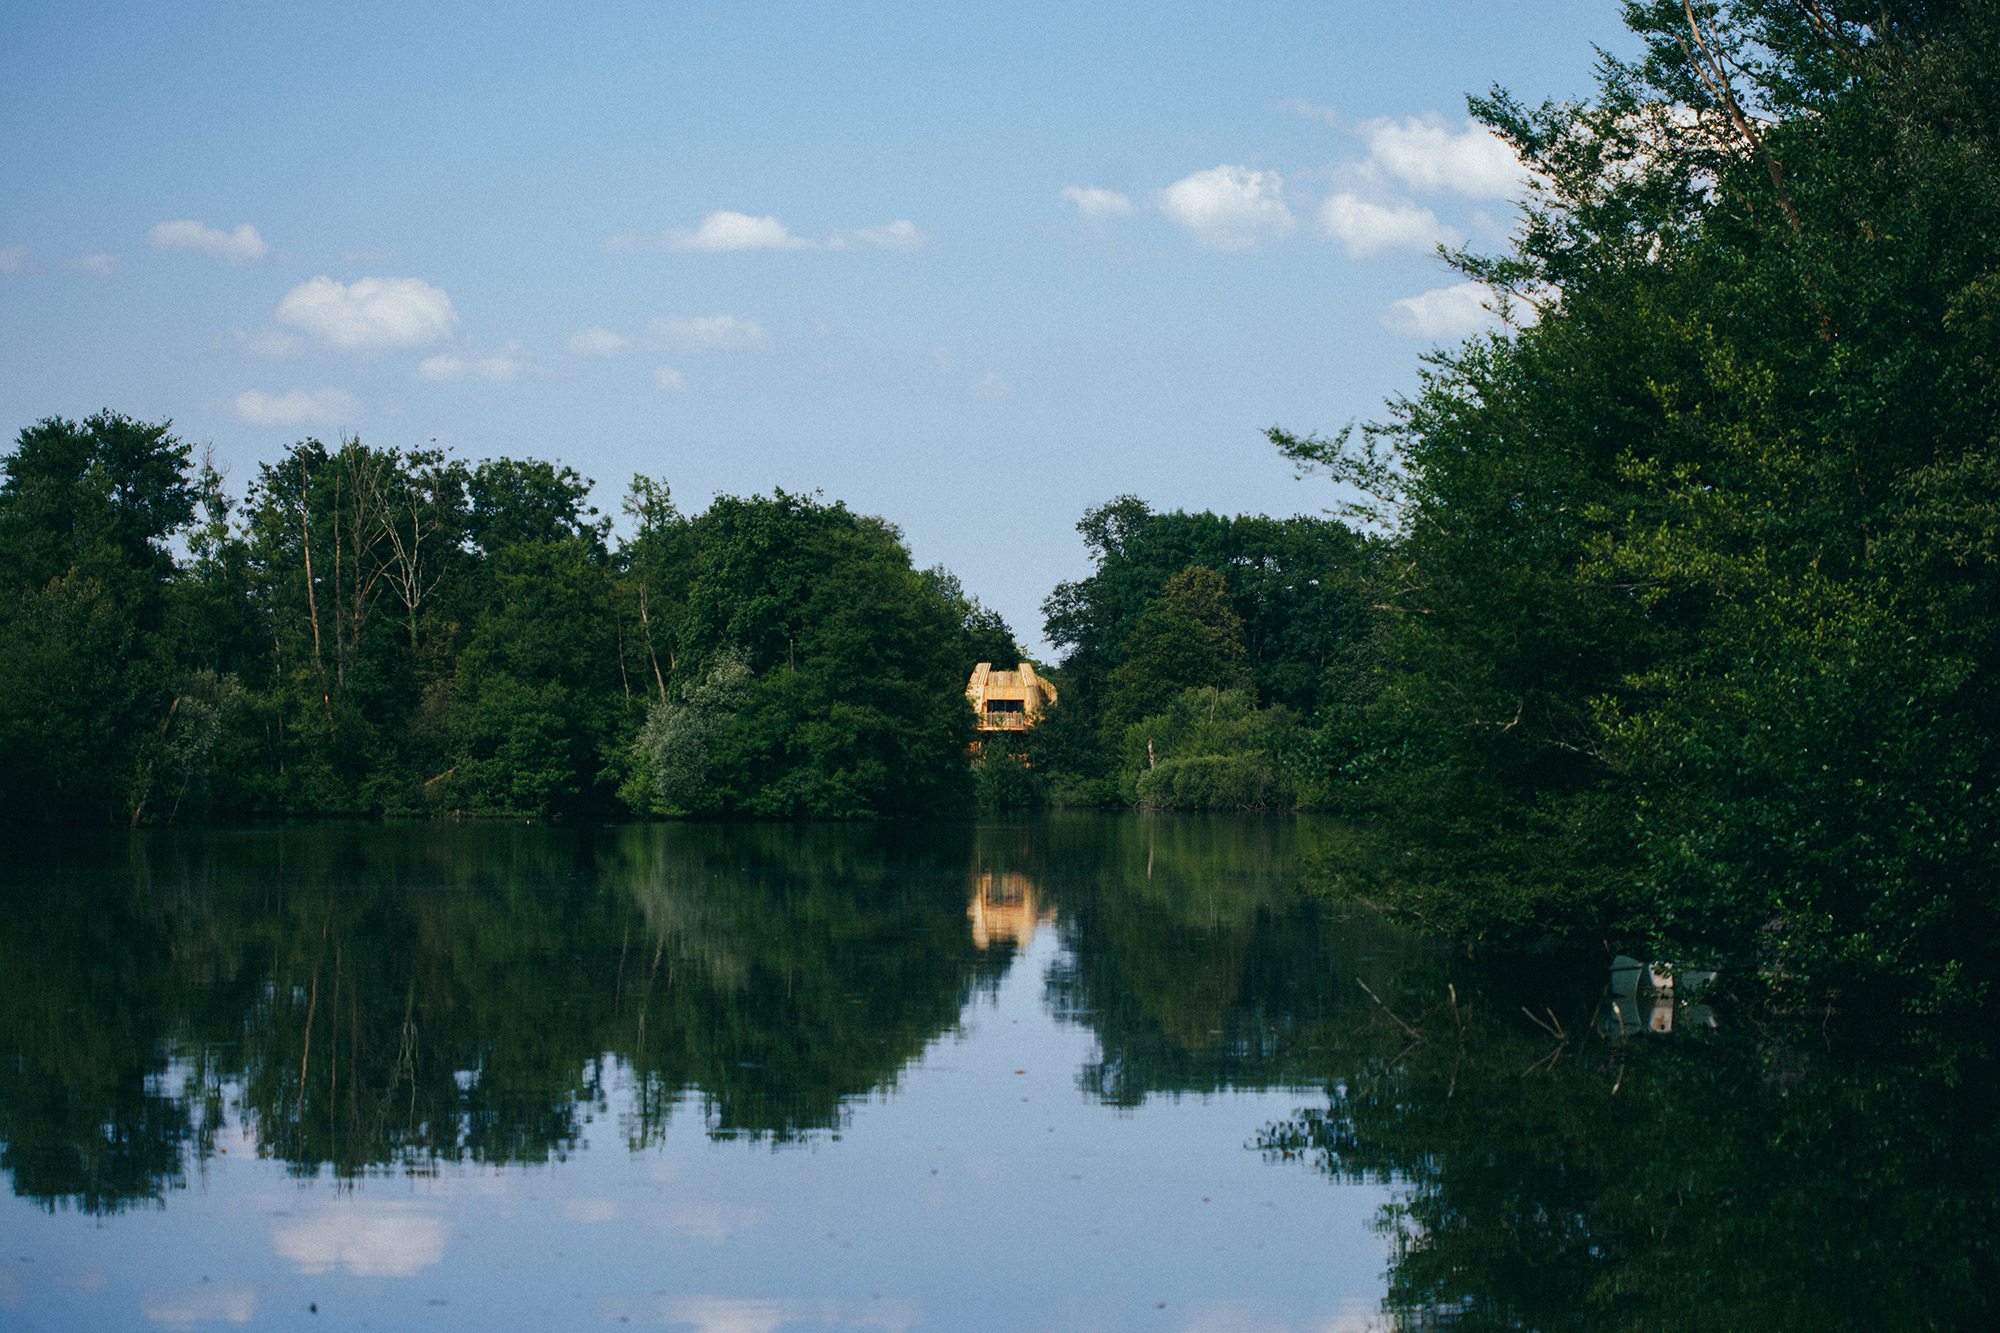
(973, 268)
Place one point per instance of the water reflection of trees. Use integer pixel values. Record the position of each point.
(398, 997)
(1777, 1172)
(1186, 952)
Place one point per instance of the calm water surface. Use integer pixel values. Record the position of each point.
(1089, 1072)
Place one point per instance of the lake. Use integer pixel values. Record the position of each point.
(1080, 1071)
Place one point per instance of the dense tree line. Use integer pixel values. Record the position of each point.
(1691, 597)
(383, 631)
(1191, 655)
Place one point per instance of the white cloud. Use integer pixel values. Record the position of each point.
(709, 333)
(101, 264)
(670, 379)
(367, 1239)
(295, 406)
(901, 235)
(13, 258)
(1428, 157)
(372, 314)
(236, 246)
(1097, 203)
(990, 385)
(1313, 111)
(231, 1302)
(1229, 207)
(726, 232)
(1367, 229)
(597, 341)
(502, 366)
(270, 342)
(1445, 312)
(719, 233)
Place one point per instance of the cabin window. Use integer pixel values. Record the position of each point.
(1006, 706)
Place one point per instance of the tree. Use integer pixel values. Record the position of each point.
(1692, 583)
(858, 708)
(86, 674)
(1186, 638)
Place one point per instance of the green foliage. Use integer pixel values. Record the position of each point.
(86, 641)
(1210, 749)
(1287, 579)
(858, 705)
(381, 631)
(1004, 777)
(1187, 637)
(1691, 586)
(675, 744)
(1180, 601)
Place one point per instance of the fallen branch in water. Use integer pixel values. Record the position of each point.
(1387, 1010)
(1555, 1031)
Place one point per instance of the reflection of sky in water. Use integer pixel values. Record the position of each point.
(985, 1191)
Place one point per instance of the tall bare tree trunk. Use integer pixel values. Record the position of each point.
(312, 603)
(339, 650)
(648, 624)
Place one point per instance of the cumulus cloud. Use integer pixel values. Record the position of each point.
(709, 333)
(211, 1302)
(101, 264)
(388, 1239)
(1095, 203)
(670, 379)
(1230, 207)
(236, 246)
(13, 258)
(1429, 157)
(1367, 229)
(270, 342)
(719, 233)
(1445, 312)
(899, 235)
(371, 314)
(498, 368)
(295, 406)
(726, 232)
(1313, 111)
(596, 341)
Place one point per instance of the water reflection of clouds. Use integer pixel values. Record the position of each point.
(590, 1210)
(210, 1302)
(1248, 1317)
(738, 1314)
(366, 1238)
(705, 1221)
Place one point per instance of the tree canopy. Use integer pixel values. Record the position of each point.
(375, 630)
(1691, 592)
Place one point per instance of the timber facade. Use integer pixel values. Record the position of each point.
(1008, 700)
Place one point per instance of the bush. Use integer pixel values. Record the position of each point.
(1214, 782)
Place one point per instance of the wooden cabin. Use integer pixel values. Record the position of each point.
(1008, 700)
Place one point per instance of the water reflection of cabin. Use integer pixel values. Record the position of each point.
(1008, 700)
(1003, 906)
